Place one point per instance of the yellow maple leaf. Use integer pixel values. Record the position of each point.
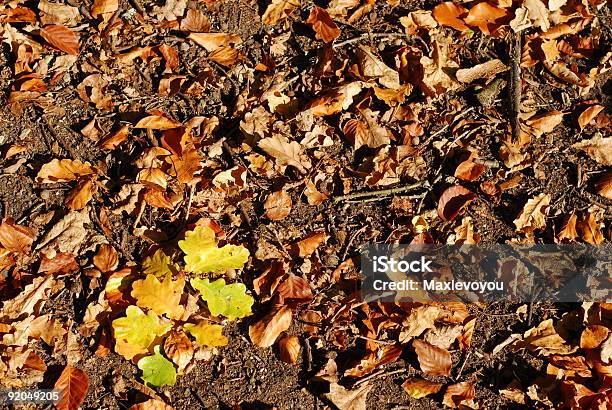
(163, 298)
(207, 334)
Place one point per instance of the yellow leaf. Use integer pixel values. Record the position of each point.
(206, 334)
(159, 265)
(162, 298)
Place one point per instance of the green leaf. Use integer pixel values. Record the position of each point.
(159, 264)
(206, 334)
(157, 370)
(230, 301)
(139, 329)
(203, 256)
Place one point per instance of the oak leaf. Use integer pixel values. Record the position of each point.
(159, 264)
(157, 370)
(203, 256)
(136, 331)
(345, 399)
(436, 79)
(285, 152)
(229, 300)
(207, 334)
(163, 298)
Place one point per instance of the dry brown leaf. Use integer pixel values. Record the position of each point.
(603, 185)
(179, 349)
(323, 25)
(61, 38)
(533, 215)
(544, 123)
(456, 394)
(589, 229)
(485, 70)
(420, 319)
(420, 19)
(289, 349)
(226, 56)
(101, 7)
(593, 336)
(278, 205)
(568, 229)
(152, 404)
(285, 152)
(195, 21)
(15, 237)
(294, 289)
(372, 67)
(56, 13)
(63, 170)
(157, 122)
(265, 332)
(335, 100)
(60, 263)
(521, 20)
(433, 360)
(419, 388)
(345, 399)
(80, 196)
(72, 386)
(469, 170)
(30, 300)
(559, 69)
(486, 17)
(359, 132)
(310, 243)
(106, 259)
(436, 79)
(212, 41)
(598, 148)
(589, 114)
(545, 340)
(453, 200)
(538, 13)
(451, 15)
(372, 360)
(113, 140)
(279, 10)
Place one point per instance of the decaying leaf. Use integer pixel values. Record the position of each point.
(458, 393)
(63, 171)
(453, 200)
(265, 332)
(61, 38)
(279, 9)
(72, 386)
(419, 388)
(533, 215)
(289, 349)
(323, 25)
(278, 205)
(178, 348)
(598, 148)
(432, 359)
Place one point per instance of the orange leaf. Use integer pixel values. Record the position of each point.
(106, 260)
(323, 25)
(179, 349)
(419, 388)
(457, 393)
(469, 171)
(588, 115)
(452, 200)
(265, 332)
(604, 185)
(278, 205)
(14, 237)
(295, 288)
(61, 38)
(450, 14)
(104, 6)
(72, 385)
(590, 229)
(593, 336)
(62, 262)
(310, 243)
(289, 349)
(226, 56)
(78, 198)
(63, 170)
(486, 17)
(432, 359)
(157, 122)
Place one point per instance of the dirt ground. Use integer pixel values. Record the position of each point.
(241, 374)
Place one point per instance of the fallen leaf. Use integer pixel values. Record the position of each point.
(137, 331)
(101, 7)
(544, 123)
(363, 135)
(436, 79)
(289, 349)
(560, 70)
(72, 386)
(372, 360)
(58, 13)
(152, 404)
(195, 21)
(598, 148)
(213, 41)
(433, 360)
(469, 170)
(207, 334)
(538, 13)
(545, 340)
(420, 19)
(419, 388)
(521, 20)
(456, 394)
(80, 196)
(533, 215)
(486, 17)
(106, 259)
(179, 350)
(589, 114)
(593, 336)
(159, 264)
(372, 67)
(279, 10)
(157, 370)
(451, 15)
(163, 298)
(323, 25)
(420, 319)
(345, 399)
(278, 205)
(568, 229)
(603, 185)
(63, 170)
(31, 299)
(226, 56)
(15, 237)
(589, 229)
(265, 332)
(309, 244)
(60, 263)
(229, 300)
(285, 152)
(61, 38)
(157, 122)
(453, 200)
(486, 70)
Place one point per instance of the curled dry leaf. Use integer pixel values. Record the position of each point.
(323, 25)
(589, 229)
(63, 170)
(419, 388)
(469, 170)
(545, 340)
(195, 21)
(106, 259)
(372, 67)
(157, 122)
(432, 359)
(451, 15)
(345, 399)
(72, 386)
(598, 148)
(61, 38)
(568, 229)
(285, 152)
(226, 56)
(101, 7)
(278, 205)
(289, 349)
(310, 243)
(374, 359)
(589, 114)
(213, 41)
(538, 13)
(80, 196)
(593, 336)
(486, 17)
(485, 70)
(453, 200)
(457, 393)
(533, 215)
(544, 123)
(279, 10)
(178, 349)
(560, 70)
(265, 332)
(15, 237)
(415, 20)
(603, 185)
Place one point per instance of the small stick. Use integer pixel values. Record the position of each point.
(380, 373)
(515, 86)
(365, 35)
(383, 192)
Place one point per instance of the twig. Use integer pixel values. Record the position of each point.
(380, 342)
(366, 35)
(515, 86)
(383, 192)
(381, 373)
(192, 188)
